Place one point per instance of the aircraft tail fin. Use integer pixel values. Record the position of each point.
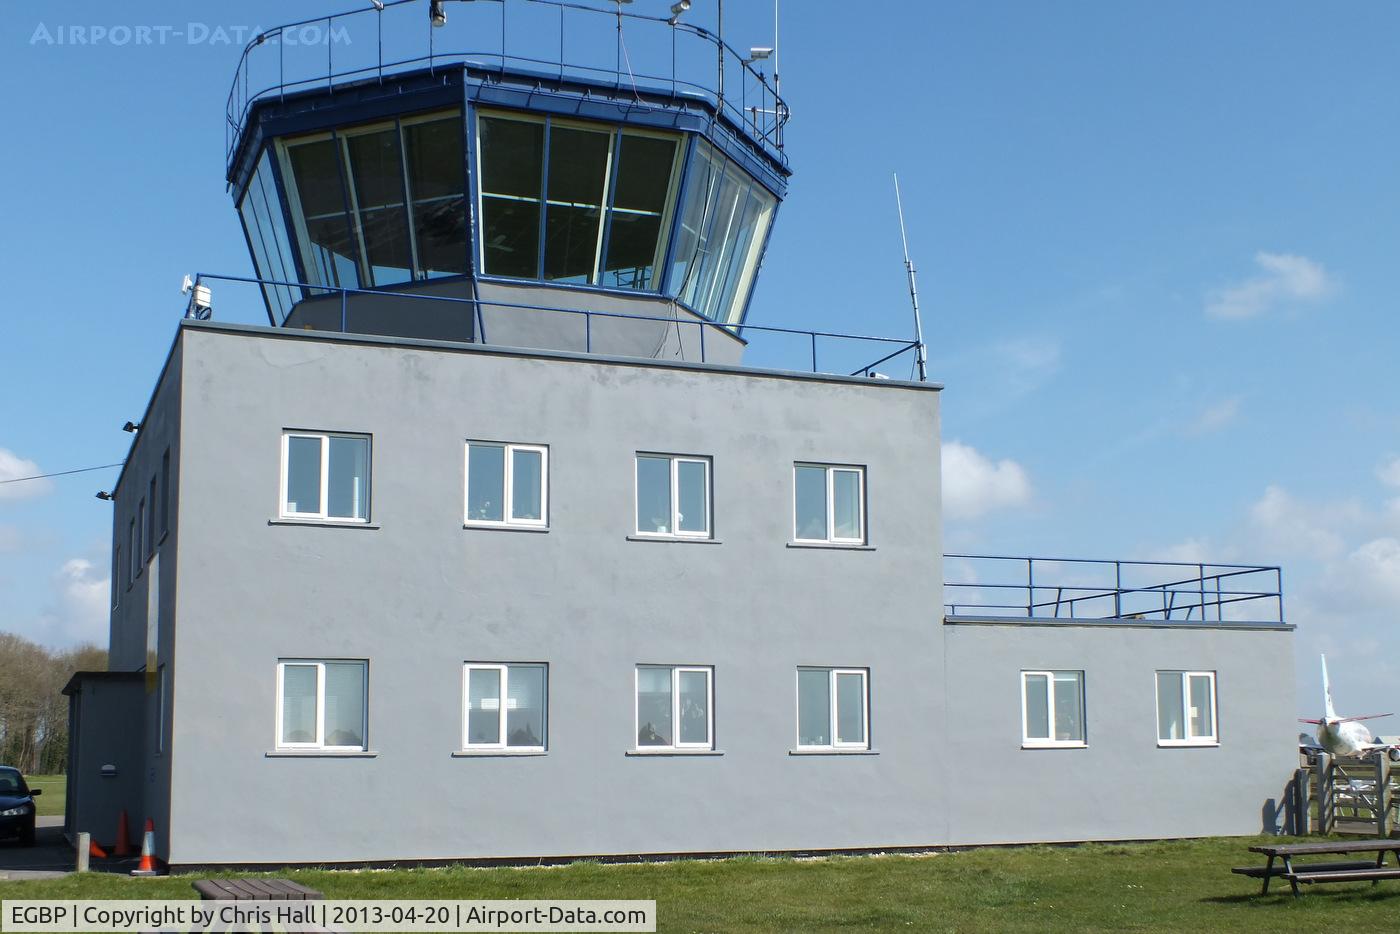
(1327, 692)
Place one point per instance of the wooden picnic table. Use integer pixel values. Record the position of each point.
(1367, 870)
(255, 890)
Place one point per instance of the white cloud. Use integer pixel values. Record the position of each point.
(1389, 472)
(1191, 551)
(1290, 526)
(974, 485)
(1215, 417)
(79, 608)
(11, 540)
(12, 467)
(1283, 278)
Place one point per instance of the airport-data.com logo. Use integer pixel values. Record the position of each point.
(63, 34)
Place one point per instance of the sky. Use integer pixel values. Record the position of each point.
(1156, 246)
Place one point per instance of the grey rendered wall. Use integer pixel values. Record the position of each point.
(160, 431)
(1122, 786)
(418, 594)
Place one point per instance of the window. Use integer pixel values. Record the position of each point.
(1186, 708)
(828, 503)
(151, 522)
(116, 576)
(321, 704)
(507, 484)
(673, 495)
(1052, 708)
(266, 229)
(833, 708)
(505, 707)
(165, 493)
(379, 204)
(131, 560)
(325, 476)
(574, 202)
(675, 707)
(137, 550)
(724, 223)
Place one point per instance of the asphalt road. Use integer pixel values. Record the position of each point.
(50, 856)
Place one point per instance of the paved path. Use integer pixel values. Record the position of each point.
(49, 858)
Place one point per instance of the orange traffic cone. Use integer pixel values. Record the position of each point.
(95, 851)
(149, 865)
(123, 847)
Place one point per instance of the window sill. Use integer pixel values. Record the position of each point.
(325, 523)
(832, 546)
(1189, 744)
(498, 753)
(321, 754)
(666, 751)
(1054, 745)
(503, 527)
(683, 539)
(832, 751)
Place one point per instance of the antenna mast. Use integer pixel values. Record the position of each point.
(920, 353)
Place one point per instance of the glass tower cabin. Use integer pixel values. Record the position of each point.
(525, 195)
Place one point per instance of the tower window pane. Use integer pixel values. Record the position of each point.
(433, 153)
(328, 245)
(577, 187)
(511, 154)
(376, 170)
(636, 236)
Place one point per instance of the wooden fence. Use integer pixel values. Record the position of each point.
(1347, 796)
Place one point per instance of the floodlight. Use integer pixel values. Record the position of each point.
(758, 53)
(132, 426)
(436, 14)
(103, 494)
(377, 4)
(677, 8)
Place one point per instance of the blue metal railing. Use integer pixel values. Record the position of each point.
(290, 58)
(1179, 591)
(703, 326)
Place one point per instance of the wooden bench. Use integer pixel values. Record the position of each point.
(254, 890)
(1258, 872)
(1372, 871)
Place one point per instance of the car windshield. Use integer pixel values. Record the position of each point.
(11, 783)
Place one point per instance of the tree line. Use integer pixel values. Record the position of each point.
(33, 710)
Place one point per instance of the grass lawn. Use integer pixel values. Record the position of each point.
(1175, 886)
(55, 787)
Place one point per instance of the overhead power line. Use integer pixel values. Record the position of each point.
(61, 473)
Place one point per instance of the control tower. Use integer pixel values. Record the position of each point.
(568, 177)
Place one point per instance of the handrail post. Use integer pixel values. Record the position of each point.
(701, 326)
(1201, 580)
(1030, 588)
(814, 351)
(1384, 824)
(587, 332)
(1117, 589)
(344, 312)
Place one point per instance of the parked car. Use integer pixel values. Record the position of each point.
(17, 806)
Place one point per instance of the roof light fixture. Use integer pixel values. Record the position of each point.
(436, 14)
(103, 494)
(132, 426)
(677, 8)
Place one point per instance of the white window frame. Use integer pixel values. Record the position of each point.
(831, 537)
(503, 668)
(131, 559)
(832, 711)
(508, 505)
(1214, 738)
(322, 513)
(320, 666)
(675, 461)
(1050, 742)
(676, 670)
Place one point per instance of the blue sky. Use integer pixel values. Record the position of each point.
(1156, 247)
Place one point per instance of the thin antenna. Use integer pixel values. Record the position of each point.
(920, 353)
